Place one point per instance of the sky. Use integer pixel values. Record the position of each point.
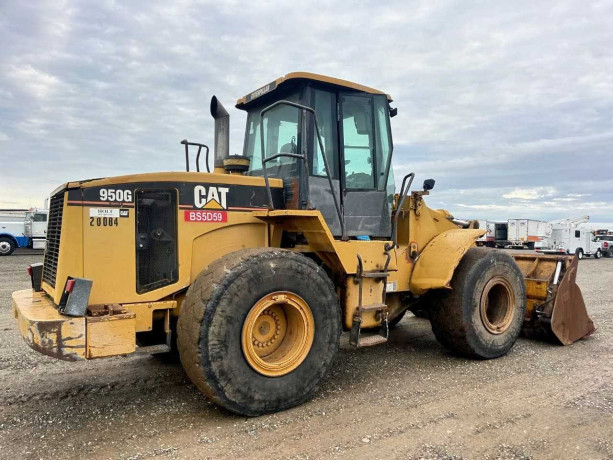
(507, 105)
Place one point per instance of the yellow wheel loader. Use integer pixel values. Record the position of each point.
(252, 271)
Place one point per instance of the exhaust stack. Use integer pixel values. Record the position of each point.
(222, 134)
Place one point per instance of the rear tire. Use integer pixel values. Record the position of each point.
(482, 315)
(7, 246)
(232, 308)
(579, 253)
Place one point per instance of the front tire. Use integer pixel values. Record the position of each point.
(259, 329)
(482, 315)
(598, 254)
(7, 246)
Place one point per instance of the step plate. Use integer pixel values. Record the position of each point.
(371, 340)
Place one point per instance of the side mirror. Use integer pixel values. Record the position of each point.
(428, 184)
(393, 112)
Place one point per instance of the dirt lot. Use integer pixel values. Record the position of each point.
(406, 399)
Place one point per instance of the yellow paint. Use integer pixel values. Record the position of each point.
(246, 232)
(437, 262)
(144, 312)
(278, 333)
(321, 78)
(111, 335)
(45, 330)
(372, 292)
(107, 255)
(344, 253)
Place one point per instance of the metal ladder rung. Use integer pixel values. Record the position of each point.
(375, 274)
(154, 349)
(374, 306)
(370, 340)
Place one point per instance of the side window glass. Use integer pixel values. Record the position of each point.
(280, 136)
(324, 108)
(384, 142)
(357, 142)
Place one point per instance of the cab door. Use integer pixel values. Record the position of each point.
(366, 148)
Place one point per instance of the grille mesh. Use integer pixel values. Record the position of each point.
(54, 228)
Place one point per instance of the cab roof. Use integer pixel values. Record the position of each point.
(293, 77)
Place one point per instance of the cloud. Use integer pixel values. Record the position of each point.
(507, 105)
(530, 193)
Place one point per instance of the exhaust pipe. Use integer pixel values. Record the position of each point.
(222, 134)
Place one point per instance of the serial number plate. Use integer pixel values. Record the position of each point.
(103, 212)
(206, 216)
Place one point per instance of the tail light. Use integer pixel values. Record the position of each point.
(69, 285)
(605, 245)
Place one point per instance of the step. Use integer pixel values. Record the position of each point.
(371, 340)
(375, 274)
(374, 306)
(154, 349)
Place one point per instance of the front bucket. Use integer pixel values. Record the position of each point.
(569, 319)
(554, 306)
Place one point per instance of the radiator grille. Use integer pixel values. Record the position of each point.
(54, 229)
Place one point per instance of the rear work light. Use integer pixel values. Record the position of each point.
(69, 285)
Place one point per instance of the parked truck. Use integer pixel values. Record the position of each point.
(568, 237)
(528, 233)
(569, 240)
(27, 232)
(606, 243)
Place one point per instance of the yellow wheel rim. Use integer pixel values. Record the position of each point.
(278, 334)
(497, 305)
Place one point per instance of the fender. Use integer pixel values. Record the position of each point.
(435, 265)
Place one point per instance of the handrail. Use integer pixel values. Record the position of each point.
(300, 156)
(200, 146)
(403, 194)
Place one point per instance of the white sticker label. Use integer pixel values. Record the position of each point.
(103, 212)
(392, 286)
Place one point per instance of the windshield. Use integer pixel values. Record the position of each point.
(280, 136)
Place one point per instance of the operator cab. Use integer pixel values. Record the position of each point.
(354, 130)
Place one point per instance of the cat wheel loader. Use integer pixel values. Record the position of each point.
(252, 271)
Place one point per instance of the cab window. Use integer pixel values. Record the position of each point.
(324, 104)
(280, 136)
(358, 148)
(384, 143)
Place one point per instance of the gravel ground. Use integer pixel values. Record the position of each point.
(407, 399)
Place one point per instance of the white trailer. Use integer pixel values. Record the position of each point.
(528, 233)
(489, 237)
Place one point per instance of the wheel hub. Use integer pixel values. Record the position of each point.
(278, 334)
(497, 305)
(4, 247)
